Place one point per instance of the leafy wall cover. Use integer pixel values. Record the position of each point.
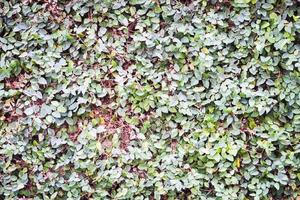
(149, 99)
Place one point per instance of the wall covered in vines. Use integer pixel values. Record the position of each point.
(149, 99)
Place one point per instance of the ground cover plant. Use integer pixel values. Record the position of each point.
(149, 99)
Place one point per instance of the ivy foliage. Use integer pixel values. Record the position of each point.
(149, 99)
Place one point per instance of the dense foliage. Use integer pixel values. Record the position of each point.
(149, 99)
